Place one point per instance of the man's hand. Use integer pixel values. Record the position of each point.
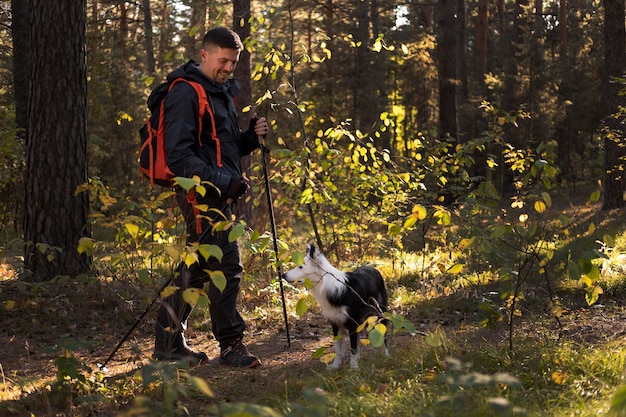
(236, 189)
(259, 124)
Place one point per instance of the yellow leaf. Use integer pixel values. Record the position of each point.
(591, 228)
(327, 358)
(464, 243)
(201, 385)
(191, 258)
(419, 212)
(560, 377)
(8, 305)
(169, 290)
(381, 328)
(540, 206)
(191, 296)
(132, 229)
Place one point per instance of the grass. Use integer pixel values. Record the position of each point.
(454, 367)
(567, 365)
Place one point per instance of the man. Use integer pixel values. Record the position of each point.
(217, 159)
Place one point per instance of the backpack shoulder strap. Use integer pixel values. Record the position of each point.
(203, 102)
(203, 107)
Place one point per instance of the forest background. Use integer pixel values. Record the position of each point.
(398, 129)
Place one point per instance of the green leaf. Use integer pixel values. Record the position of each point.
(573, 270)
(499, 231)
(319, 353)
(236, 232)
(435, 340)
(455, 269)
(595, 196)
(186, 183)
(377, 335)
(298, 258)
(86, 246)
(209, 250)
(301, 307)
(618, 402)
(608, 240)
(218, 278)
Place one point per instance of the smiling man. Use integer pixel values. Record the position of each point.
(216, 158)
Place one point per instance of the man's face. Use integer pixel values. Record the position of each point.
(218, 63)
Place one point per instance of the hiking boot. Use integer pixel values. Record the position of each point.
(236, 354)
(184, 354)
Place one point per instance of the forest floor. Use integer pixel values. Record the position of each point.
(36, 318)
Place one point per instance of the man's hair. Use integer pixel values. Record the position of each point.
(222, 37)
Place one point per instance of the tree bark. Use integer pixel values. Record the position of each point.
(21, 47)
(55, 215)
(446, 52)
(614, 66)
(241, 25)
(149, 38)
(480, 56)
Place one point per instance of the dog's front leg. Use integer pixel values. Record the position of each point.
(336, 364)
(354, 349)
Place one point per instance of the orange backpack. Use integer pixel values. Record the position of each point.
(152, 156)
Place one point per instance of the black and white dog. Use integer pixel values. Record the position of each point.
(347, 299)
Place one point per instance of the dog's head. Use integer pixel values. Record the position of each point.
(310, 268)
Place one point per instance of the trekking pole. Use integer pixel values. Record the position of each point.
(270, 204)
(156, 297)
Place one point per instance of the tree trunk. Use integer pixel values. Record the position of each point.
(241, 25)
(480, 56)
(446, 52)
(55, 215)
(614, 66)
(464, 107)
(149, 38)
(197, 29)
(21, 48)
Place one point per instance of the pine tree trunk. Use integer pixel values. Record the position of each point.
(446, 52)
(55, 215)
(241, 25)
(21, 45)
(615, 64)
(149, 37)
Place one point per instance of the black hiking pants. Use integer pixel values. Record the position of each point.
(226, 322)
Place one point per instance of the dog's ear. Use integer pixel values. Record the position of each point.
(311, 250)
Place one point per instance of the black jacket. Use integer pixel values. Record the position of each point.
(185, 157)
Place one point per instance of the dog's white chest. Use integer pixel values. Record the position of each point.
(336, 314)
